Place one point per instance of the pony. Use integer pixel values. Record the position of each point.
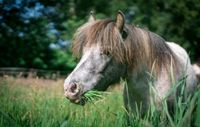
(110, 50)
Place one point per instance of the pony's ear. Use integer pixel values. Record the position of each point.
(92, 17)
(120, 20)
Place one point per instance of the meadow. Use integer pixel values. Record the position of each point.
(36, 102)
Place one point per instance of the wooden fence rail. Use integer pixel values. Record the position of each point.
(30, 72)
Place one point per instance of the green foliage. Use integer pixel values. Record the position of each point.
(71, 25)
(62, 60)
(39, 63)
(175, 21)
(26, 34)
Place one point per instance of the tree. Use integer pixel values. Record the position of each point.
(25, 33)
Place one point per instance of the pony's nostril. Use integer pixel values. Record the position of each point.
(74, 88)
(72, 92)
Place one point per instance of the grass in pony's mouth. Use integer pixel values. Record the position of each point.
(91, 97)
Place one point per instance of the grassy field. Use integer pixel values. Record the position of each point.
(40, 103)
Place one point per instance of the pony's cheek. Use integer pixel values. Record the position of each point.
(92, 82)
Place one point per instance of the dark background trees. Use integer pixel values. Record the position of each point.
(37, 33)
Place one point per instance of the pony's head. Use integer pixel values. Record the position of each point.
(98, 43)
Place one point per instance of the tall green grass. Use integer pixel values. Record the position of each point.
(40, 103)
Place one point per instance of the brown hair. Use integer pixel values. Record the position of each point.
(138, 45)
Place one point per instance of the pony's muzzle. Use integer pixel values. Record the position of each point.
(72, 92)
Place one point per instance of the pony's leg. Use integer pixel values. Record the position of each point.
(136, 106)
(165, 90)
(135, 102)
(128, 106)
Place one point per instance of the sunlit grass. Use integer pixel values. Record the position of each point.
(36, 102)
(40, 103)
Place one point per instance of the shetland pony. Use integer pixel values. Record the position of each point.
(110, 50)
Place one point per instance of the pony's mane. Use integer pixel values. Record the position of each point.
(137, 46)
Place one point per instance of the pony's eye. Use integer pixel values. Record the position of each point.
(104, 53)
(107, 53)
(124, 34)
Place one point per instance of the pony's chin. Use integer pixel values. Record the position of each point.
(79, 101)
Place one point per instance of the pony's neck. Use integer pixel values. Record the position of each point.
(155, 54)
